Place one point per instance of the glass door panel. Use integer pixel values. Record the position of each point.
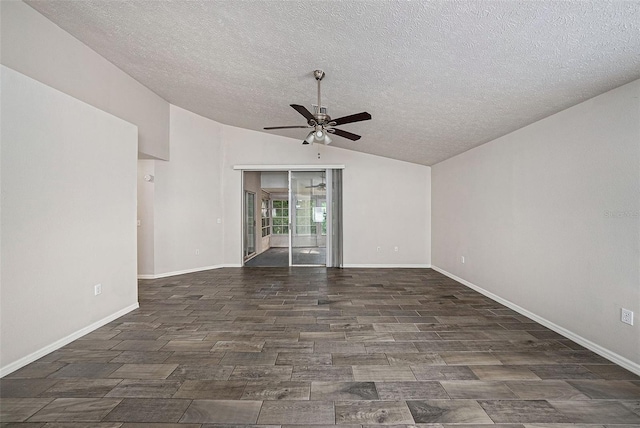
(308, 218)
(249, 224)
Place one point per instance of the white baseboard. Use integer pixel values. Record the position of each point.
(386, 266)
(182, 272)
(10, 368)
(603, 352)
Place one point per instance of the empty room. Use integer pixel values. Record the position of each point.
(287, 214)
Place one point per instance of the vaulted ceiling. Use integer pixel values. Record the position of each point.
(438, 77)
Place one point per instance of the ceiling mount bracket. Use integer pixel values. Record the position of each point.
(318, 74)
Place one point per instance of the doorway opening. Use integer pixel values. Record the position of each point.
(292, 218)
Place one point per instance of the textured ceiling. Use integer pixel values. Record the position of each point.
(438, 77)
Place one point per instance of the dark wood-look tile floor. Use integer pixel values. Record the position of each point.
(280, 347)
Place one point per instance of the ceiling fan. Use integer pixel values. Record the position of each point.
(320, 186)
(322, 123)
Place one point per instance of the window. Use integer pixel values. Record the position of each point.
(309, 213)
(280, 217)
(304, 217)
(266, 218)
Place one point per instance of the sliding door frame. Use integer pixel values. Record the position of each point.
(327, 168)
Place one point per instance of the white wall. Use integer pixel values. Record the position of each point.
(187, 192)
(146, 228)
(68, 218)
(274, 179)
(36, 47)
(531, 213)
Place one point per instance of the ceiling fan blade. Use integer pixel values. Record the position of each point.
(284, 127)
(303, 111)
(345, 134)
(351, 118)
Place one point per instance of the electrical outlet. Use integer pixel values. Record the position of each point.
(462, 259)
(378, 249)
(197, 252)
(97, 289)
(626, 316)
(395, 249)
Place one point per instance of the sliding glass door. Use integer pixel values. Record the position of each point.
(308, 218)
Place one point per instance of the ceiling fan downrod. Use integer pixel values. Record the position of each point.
(319, 75)
(321, 116)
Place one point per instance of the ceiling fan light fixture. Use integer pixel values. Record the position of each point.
(309, 138)
(327, 140)
(319, 135)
